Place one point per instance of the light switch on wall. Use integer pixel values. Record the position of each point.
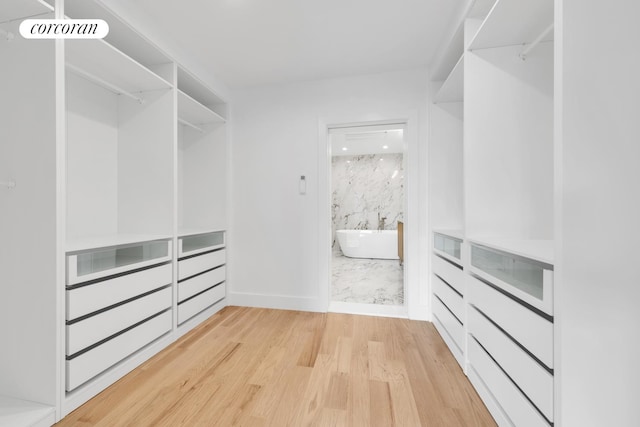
(302, 186)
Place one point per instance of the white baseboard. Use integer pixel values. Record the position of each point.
(281, 302)
(368, 309)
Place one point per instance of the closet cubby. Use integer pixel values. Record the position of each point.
(119, 148)
(201, 159)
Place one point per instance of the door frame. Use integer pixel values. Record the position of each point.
(411, 211)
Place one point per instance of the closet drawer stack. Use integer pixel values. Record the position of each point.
(510, 343)
(118, 300)
(448, 292)
(201, 273)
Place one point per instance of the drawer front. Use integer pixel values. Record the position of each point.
(449, 297)
(449, 273)
(529, 329)
(511, 400)
(535, 381)
(190, 308)
(191, 266)
(90, 298)
(86, 366)
(84, 333)
(197, 284)
(450, 323)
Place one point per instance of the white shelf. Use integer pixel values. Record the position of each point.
(184, 232)
(12, 10)
(105, 241)
(455, 233)
(17, 413)
(104, 61)
(195, 112)
(452, 89)
(538, 250)
(121, 35)
(514, 22)
(191, 85)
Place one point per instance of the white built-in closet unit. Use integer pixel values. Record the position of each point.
(492, 192)
(114, 232)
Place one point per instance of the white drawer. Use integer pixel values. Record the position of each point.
(449, 273)
(449, 297)
(87, 365)
(535, 381)
(450, 323)
(197, 264)
(89, 331)
(190, 308)
(199, 283)
(514, 404)
(528, 328)
(90, 298)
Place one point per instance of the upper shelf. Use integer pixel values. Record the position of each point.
(196, 89)
(13, 10)
(121, 35)
(452, 90)
(194, 112)
(99, 59)
(514, 22)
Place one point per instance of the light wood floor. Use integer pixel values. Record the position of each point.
(259, 367)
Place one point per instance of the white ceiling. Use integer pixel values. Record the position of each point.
(254, 42)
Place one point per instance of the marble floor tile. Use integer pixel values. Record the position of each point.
(366, 281)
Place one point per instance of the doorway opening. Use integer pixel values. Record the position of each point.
(368, 205)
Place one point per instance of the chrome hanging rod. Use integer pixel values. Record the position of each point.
(536, 42)
(105, 84)
(191, 125)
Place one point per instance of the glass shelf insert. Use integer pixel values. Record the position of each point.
(202, 241)
(447, 244)
(521, 273)
(108, 259)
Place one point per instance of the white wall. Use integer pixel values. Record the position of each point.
(273, 240)
(597, 278)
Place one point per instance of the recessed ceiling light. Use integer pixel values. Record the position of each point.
(344, 148)
(381, 159)
(384, 147)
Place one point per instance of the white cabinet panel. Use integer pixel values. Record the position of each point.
(192, 286)
(197, 264)
(449, 297)
(534, 380)
(190, 308)
(89, 331)
(87, 299)
(528, 328)
(87, 365)
(449, 273)
(514, 404)
(450, 323)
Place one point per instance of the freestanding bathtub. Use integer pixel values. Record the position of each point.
(381, 244)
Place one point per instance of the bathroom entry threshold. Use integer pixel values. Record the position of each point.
(399, 311)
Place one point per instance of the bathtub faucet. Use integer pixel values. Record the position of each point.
(381, 222)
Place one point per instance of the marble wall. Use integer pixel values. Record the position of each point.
(363, 186)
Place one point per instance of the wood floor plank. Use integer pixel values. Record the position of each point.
(260, 367)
